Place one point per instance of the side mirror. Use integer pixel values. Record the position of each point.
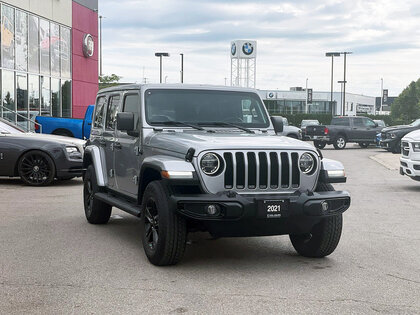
(125, 121)
(277, 122)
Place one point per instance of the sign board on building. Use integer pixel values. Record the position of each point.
(88, 45)
(271, 95)
(385, 96)
(309, 93)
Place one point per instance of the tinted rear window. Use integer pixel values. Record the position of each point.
(340, 121)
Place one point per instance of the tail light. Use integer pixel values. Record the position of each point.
(326, 131)
(36, 127)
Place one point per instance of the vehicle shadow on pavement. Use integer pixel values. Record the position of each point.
(411, 188)
(15, 181)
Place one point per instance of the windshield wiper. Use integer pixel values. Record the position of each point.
(173, 122)
(228, 124)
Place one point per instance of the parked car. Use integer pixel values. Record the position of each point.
(69, 127)
(410, 158)
(391, 136)
(290, 131)
(304, 124)
(161, 153)
(342, 130)
(37, 158)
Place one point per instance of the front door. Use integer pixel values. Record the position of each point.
(371, 129)
(109, 137)
(127, 148)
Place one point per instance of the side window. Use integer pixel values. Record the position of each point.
(100, 112)
(358, 122)
(369, 123)
(131, 104)
(111, 114)
(340, 121)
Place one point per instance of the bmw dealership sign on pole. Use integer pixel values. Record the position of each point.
(243, 55)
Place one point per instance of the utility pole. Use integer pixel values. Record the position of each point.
(332, 55)
(306, 99)
(182, 68)
(345, 53)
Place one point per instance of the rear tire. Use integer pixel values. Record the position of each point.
(320, 144)
(324, 237)
(96, 211)
(164, 233)
(363, 145)
(397, 148)
(340, 142)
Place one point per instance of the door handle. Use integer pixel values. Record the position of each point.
(117, 145)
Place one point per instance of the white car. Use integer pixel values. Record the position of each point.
(410, 158)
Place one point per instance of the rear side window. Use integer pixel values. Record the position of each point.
(100, 112)
(111, 114)
(358, 122)
(340, 121)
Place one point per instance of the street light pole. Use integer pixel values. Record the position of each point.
(160, 55)
(382, 93)
(306, 99)
(341, 93)
(345, 53)
(182, 68)
(332, 55)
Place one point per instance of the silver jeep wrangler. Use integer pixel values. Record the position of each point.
(188, 158)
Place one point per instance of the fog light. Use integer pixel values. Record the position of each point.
(324, 206)
(212, 209)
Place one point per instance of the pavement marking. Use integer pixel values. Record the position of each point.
(389, 160)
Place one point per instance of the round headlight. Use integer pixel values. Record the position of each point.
(210, 163)
(306, 163)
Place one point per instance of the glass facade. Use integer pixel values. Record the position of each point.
(296, 107)
(35, 65)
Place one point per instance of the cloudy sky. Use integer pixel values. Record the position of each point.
(292, 38)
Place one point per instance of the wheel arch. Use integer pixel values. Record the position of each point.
(148, 174)
(62, 132)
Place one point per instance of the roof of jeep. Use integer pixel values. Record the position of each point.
(124, 87)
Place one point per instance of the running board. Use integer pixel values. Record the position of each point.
(117, 202)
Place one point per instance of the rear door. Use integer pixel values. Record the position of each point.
(358, 130)
(127, 148)
(109, 136)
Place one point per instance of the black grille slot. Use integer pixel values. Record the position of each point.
(284, 170)
(416, 167)
(252, 170)
(228, 171)
(263, 170)
(274, 170)
(240, 170)
(295, 170)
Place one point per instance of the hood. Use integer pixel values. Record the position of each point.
(290, 129)
(413, 136)
(181, 141)
(65, 140)
(396, 128)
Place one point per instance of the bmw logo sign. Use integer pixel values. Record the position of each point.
(247, 48)
(271, 95)
(233, 49)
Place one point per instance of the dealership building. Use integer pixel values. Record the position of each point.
(49, 58)
(293, 101)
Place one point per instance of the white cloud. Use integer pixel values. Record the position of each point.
(292, 36)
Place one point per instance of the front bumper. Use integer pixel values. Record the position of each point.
(319, 138)
(389, 144)
(69, 168)
(410, 168)
(245, 215)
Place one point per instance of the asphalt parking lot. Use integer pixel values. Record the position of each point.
(53, 261)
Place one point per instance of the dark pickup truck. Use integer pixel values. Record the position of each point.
(361, 130)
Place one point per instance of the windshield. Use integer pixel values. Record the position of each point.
(205, 107)
(8, 128)
(415, 123)
(380, 123)
(309, 123)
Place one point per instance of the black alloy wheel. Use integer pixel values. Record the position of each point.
(151, 224)
(36, 168)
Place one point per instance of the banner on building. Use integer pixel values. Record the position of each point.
(385, 96)
(309, 93)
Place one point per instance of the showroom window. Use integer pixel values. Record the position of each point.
(35, 65)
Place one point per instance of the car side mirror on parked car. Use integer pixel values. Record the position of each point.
(277, 122)
(125, 122)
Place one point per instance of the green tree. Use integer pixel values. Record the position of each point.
(108, 80)
(406, 106)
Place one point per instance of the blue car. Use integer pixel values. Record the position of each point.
(70, 127)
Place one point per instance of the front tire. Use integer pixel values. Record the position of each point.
(320, 144)
(324, 237)
(340, 142)
(397, 148)
(164, 232)
(36, 168)
(363, 145)
(96, 211)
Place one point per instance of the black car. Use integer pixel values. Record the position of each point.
(305, 123)
(391, 136)
(37, 158)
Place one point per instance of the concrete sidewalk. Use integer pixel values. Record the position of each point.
(387, 159)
